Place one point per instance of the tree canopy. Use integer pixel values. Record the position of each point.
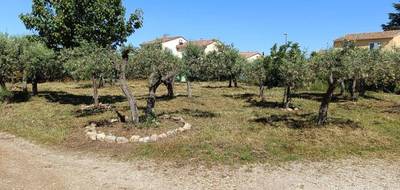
(394, 19)
(66, 23)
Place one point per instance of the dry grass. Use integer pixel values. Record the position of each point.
(231, 125)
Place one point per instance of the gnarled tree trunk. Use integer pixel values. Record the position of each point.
(95, 91)
(323, 110)
(127, 92)
(151, 100)
(230, 82)
(353, 90)
(169, 83)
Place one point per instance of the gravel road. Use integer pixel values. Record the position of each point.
(24, 165)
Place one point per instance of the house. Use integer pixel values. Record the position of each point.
(250, 56)
(208, 45)
(171, 43)
(386, 40)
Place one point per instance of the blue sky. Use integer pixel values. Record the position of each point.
(251, 25)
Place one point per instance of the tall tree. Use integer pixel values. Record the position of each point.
(394, 23)
(66, 23)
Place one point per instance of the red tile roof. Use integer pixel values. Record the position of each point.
(249, 54)
(370, 36)
(201, 43)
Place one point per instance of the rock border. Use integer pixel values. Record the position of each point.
(94, 135)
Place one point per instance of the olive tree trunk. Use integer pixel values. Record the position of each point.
(323, 110)
(34, 87)
(262, 90)
(95, 91)
(2, 85)
(287, 97)
(342, 88)
(169, 83)
(235, 82)
(353, 90)
(151, 100)
(127, 92)
(230, 82)
(24, 82)
(189, 88)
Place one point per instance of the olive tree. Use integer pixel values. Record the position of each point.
(329, 65)
(90, 62)
(6, 66)
(193, 58)
(229, 63)
(294, 69)
(161, 66)
(37, 60)
(255, 73)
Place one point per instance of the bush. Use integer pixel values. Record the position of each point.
(5, 95)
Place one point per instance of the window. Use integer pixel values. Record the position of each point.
(374, 45)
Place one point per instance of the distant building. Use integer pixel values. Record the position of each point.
(250, 56)
(386, 40)
(170, 43)
(208, 45)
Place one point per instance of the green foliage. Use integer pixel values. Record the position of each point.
(66, 23)
(255, 72)
(193, 62)
(36, 60)
(286, 66)
(6, 66)
(89, 60)
(151, 59)
(226, 63)
(5, 95)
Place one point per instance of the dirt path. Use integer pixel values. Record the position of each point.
(27, 166)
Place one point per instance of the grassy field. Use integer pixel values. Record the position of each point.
(231, 125)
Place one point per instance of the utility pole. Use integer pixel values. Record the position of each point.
(286, 38)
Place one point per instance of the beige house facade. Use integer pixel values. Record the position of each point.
(386, 40)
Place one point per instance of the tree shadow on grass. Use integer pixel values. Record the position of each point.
(240, 96)
(66, 98)
(193, 113)
(302, 121)
(316, 96)
(221, 87)
(393, 109)
(19, 97)
(264, 104)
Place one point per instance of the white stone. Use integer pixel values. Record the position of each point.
(93, 124)
(114, 120)
(154, 138)
(141, 140)
(296, 109)
(122, 140)
(134, 138)
(146, 139)
(187, 126)
(162, 136)
(181, 129)
(110, 139)
(92, 135)
(101, 137)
